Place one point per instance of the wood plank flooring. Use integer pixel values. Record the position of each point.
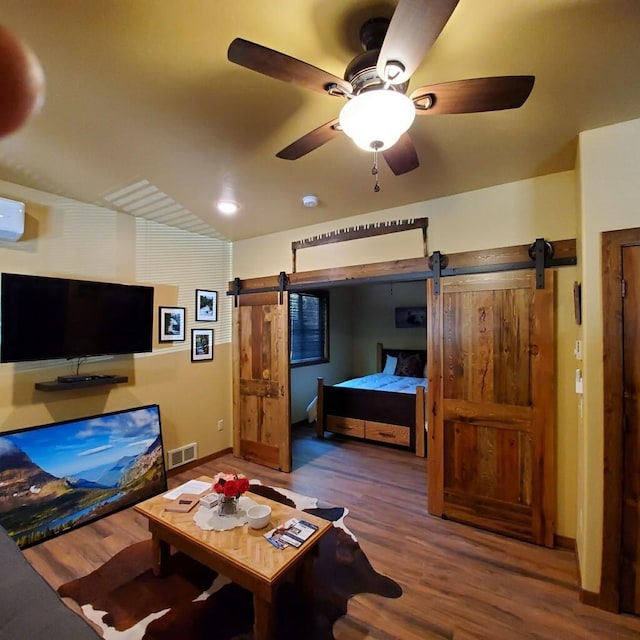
(459, 583)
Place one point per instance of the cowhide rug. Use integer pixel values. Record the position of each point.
(129, 603)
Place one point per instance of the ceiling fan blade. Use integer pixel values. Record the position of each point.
(414, 27)
(310, 141)
(402, 157)
(283, 67)
(472, 96)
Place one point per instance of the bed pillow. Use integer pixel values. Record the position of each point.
(390, 365)
(409, 364)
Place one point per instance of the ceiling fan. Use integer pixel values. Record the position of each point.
(378, 111)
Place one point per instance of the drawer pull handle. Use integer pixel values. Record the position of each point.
(386, 434)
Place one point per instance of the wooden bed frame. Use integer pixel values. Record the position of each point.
(382, 416)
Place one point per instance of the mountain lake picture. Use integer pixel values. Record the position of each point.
(57, 477)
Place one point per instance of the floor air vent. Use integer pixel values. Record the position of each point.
(182, 455)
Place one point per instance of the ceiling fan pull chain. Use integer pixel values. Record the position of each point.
(374, 170)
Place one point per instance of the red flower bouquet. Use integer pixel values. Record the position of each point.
(230, 485)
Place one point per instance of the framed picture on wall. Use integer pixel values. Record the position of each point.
(201, 344)
(206, 305)
(171, 322)
(411, 317)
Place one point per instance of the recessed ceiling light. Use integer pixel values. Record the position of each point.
(227, 207)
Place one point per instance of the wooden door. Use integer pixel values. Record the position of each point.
(491, 401)
(630, 548)
(262, 431)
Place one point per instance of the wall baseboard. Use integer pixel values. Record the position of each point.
(590, 598)
(563, 542)
(195, 463)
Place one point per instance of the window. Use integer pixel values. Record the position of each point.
(308, 328)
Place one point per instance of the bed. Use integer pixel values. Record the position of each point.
(387, 406)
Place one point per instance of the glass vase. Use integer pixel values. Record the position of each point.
(227, 506)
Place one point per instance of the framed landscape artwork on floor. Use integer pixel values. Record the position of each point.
(57, 477)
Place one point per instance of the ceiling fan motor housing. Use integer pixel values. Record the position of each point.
(372, 33)
(361, 71)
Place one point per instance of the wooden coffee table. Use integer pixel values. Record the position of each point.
(241, 554)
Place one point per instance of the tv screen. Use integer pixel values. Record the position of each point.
(57, 477)
(44, 318)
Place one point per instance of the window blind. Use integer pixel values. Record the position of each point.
(308, 327)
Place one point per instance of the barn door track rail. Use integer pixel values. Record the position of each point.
(539, 255)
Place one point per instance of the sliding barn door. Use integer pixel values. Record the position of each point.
(261, 380)
(491, 403)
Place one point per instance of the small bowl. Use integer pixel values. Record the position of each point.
(259, 516)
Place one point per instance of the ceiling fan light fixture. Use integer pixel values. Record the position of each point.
(375, 120)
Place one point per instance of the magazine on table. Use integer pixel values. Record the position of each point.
(293, 533)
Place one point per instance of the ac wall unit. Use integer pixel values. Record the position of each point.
(11, 219)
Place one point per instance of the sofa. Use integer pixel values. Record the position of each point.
(29, 607)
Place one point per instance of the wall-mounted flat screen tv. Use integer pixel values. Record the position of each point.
(43, 318)
(57, 477)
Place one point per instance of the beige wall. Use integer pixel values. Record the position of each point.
(610, 200)
(375, 321)
(70, 239)
(510, 214)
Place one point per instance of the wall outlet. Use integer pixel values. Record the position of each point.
(220, 425)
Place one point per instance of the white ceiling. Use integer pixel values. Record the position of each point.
(140, 92)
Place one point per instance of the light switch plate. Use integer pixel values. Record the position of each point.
(577, 351)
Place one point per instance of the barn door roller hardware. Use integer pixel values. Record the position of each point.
(437, 262)
(540, 251)
(237, 289)
(237, 286)
(283, 285)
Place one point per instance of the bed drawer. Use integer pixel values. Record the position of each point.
(347, 426)
(387, 433)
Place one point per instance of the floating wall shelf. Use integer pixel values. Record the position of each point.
(89, 381)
